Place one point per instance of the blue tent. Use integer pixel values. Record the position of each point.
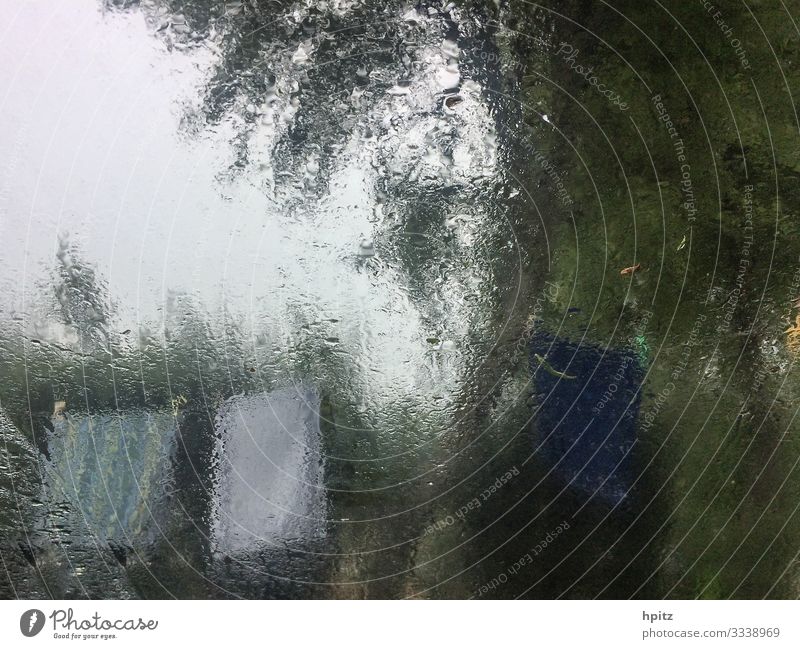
(585, 422)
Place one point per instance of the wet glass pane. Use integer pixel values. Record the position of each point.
(355, 299)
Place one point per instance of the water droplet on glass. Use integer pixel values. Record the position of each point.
(400, 89)
(301, 55)
(449, 77)
(411, 16)
(366, 248)
(447, 346)
(450, 49)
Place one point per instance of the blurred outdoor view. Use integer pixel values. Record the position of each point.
(360, 299)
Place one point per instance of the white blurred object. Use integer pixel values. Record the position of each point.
(269, 472)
